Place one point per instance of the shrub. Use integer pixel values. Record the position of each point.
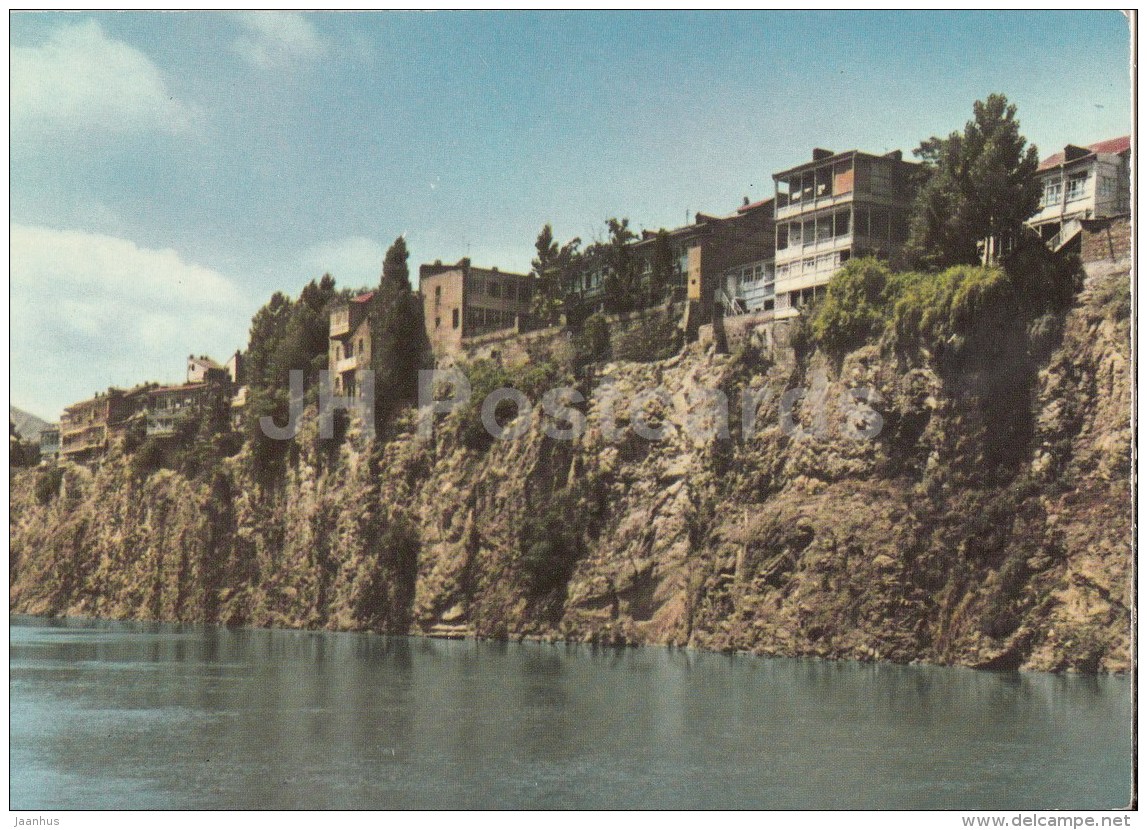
(854, 307)
(485, 376)
(591, 344)
(48, 484)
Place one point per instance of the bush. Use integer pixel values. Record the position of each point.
(485, 376)
(591, 344)
(854, 308)
(48, 484)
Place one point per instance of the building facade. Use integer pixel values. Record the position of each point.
(350, 343)
(86, 427)
(461, 301)
(1080, 183)
(50, 441)
(834, 208)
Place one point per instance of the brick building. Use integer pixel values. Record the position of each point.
(831, 209)
(350, 343)
(461, 301)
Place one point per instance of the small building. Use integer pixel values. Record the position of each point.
(1081, 183)
(50, 441)
(350, 343)
(166, 406)
(201, 368)
(461, 301)
(234, 368)
(87, 427)
(831, 209)
(703, 253)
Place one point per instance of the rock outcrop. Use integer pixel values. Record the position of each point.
(987, 523)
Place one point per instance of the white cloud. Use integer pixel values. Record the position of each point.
(90, 310)
(275, 40)
(81, 80)
(354, 261)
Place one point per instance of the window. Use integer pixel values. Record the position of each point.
(1106, 186)
(840, 223)
(1077, 186)
(1052, 193)
(455, 318)
(782, 237)
(437, 322)
(808, 237)
(494, 289)
(437, 294)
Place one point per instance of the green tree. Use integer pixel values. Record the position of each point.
(622, 284)
(978, 188)
(551, 269)
(397, 334)
(395, 273)
(855, 306)
(267, 329)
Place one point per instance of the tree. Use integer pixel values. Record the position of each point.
(622, 283)
(551, 269)
(397, 334)
(267, 328)
(978, 189)
(395, 273)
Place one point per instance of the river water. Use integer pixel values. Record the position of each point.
(138, 715)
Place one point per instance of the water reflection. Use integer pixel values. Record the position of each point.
(147, 715)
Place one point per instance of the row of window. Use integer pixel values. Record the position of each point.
(515, 290)
(823, 264)
(489, 318)
(749, 274)
(1053, 189)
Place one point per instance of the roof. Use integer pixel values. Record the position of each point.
(835, 157)
(1111, 145)
(754, 205)
(185, 387)
(363, 298)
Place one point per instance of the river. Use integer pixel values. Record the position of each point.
(144, 715)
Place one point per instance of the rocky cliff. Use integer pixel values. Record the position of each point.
(987, 523)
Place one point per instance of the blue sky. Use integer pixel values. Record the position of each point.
(170, 170)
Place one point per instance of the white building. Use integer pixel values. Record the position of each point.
(1082, 183)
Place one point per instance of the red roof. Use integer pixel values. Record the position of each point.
(754, 205)
(1111, 145)
(363, 298)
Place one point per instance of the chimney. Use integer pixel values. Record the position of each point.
(895, 155)
(1071, 152)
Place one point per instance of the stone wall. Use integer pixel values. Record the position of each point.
(642, 336)
(759, 329)
(1106, 240)
(515, 349)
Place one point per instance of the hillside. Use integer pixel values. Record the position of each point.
(989, 523)
(28, 426)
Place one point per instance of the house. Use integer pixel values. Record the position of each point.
(87, 427)
(166, 406)
(350, 343)
(201, 368)
(461, 301)
(1082, 183)
(50, 441)
(831, 209)
(703, 252)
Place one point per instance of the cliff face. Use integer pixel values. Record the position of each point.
(988, 523)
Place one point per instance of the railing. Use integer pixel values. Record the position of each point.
(1067, 233)
(348, 364)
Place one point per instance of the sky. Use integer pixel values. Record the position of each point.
(169, 171)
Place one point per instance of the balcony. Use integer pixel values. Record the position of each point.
(348, 364)
(810, 203)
